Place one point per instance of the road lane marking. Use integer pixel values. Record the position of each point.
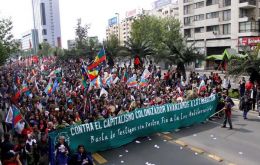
(197, 150)
(167, 137)
(215, 157)
(100, 159)
(183, 144)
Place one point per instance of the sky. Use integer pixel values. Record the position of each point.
(93, 12)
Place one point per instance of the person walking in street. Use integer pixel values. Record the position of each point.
(246, 102)
(227, 110)
(82, 157)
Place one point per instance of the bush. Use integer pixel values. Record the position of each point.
(233, 93)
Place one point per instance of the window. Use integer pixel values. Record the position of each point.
(44, 31)
(43, 15)
(187, 32)
(227, 15)
(187, 20)
(186, 1)
(248, 27)
(199, 30)
(213, 28)
(45, 40)
(212, 15)
(227, 29)
(199, 4)
(227, 3)
(199, 17)
(211, 2)
(187, 9)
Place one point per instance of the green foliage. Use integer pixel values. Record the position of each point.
(233, 94)
(81, 35)
(45, 49)
(249, 65)
(7, 43)
(161, 38)
(112, 47)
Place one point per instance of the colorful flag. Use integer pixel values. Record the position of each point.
(202, 86)
(109, 80)
(93, 74)
(17, 116)
(100, 58)
(25, 89)
(48, 89)
(125, 76)
(132, 82)
(97, 82)
(9, 116)
(143, 82)
(55, 86)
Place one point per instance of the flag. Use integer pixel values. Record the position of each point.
(125, 76)
(48, 89)
(115, 80)
(109, 80)
(143, 82)
(25, 89)
(103, 92)
(146, 74)
(202, 86)
(84, 75)
(16, 94)
(17, 116)
(93, 74)
(97, 82)
(9, 116)
(100, 58)
(132, 82)
(55, 86)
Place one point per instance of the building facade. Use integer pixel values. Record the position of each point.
(165, 8)
(29, 41)
(46, 17)
(215, 25)
(71, 44)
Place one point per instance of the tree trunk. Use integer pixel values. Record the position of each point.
(181, 68)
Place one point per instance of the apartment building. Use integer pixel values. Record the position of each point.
(123, 29)
(215, 25)
(165, 8)
(29, 41)
(46, 18)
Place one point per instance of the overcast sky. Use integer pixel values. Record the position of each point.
(94, 12)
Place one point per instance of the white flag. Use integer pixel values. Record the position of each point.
(9, 116)
(103, 92)
(115, 80)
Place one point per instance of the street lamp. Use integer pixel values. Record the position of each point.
(118, 25)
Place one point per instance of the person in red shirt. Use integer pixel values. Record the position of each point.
(12, 159)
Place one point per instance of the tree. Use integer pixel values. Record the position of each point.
(112, 45)
(7, 43)
(45, 49)
(247, 64)
(81, 35)
(178, 51)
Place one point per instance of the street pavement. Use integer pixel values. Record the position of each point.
(154, 150)
(240, 146)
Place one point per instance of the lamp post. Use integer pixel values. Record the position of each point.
(118, 25)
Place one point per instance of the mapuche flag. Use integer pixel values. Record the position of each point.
(100, 58)
(17, 116)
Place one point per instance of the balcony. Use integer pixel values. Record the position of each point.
(247, 4)
(246, 18)
(212, 21)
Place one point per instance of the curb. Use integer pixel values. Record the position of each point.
(195, 149)
(99, 159)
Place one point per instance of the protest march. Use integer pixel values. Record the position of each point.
(62, 111)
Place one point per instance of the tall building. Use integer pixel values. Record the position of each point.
(71, 44)
(215, 25)
(165, 8)
(123, 29)
(46, 16)
(30, 41)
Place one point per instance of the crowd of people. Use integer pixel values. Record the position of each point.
(45, 109)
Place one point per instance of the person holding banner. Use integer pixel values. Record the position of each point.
(62, 151)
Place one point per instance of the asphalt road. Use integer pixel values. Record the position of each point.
(240, 146)
(154, 150)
